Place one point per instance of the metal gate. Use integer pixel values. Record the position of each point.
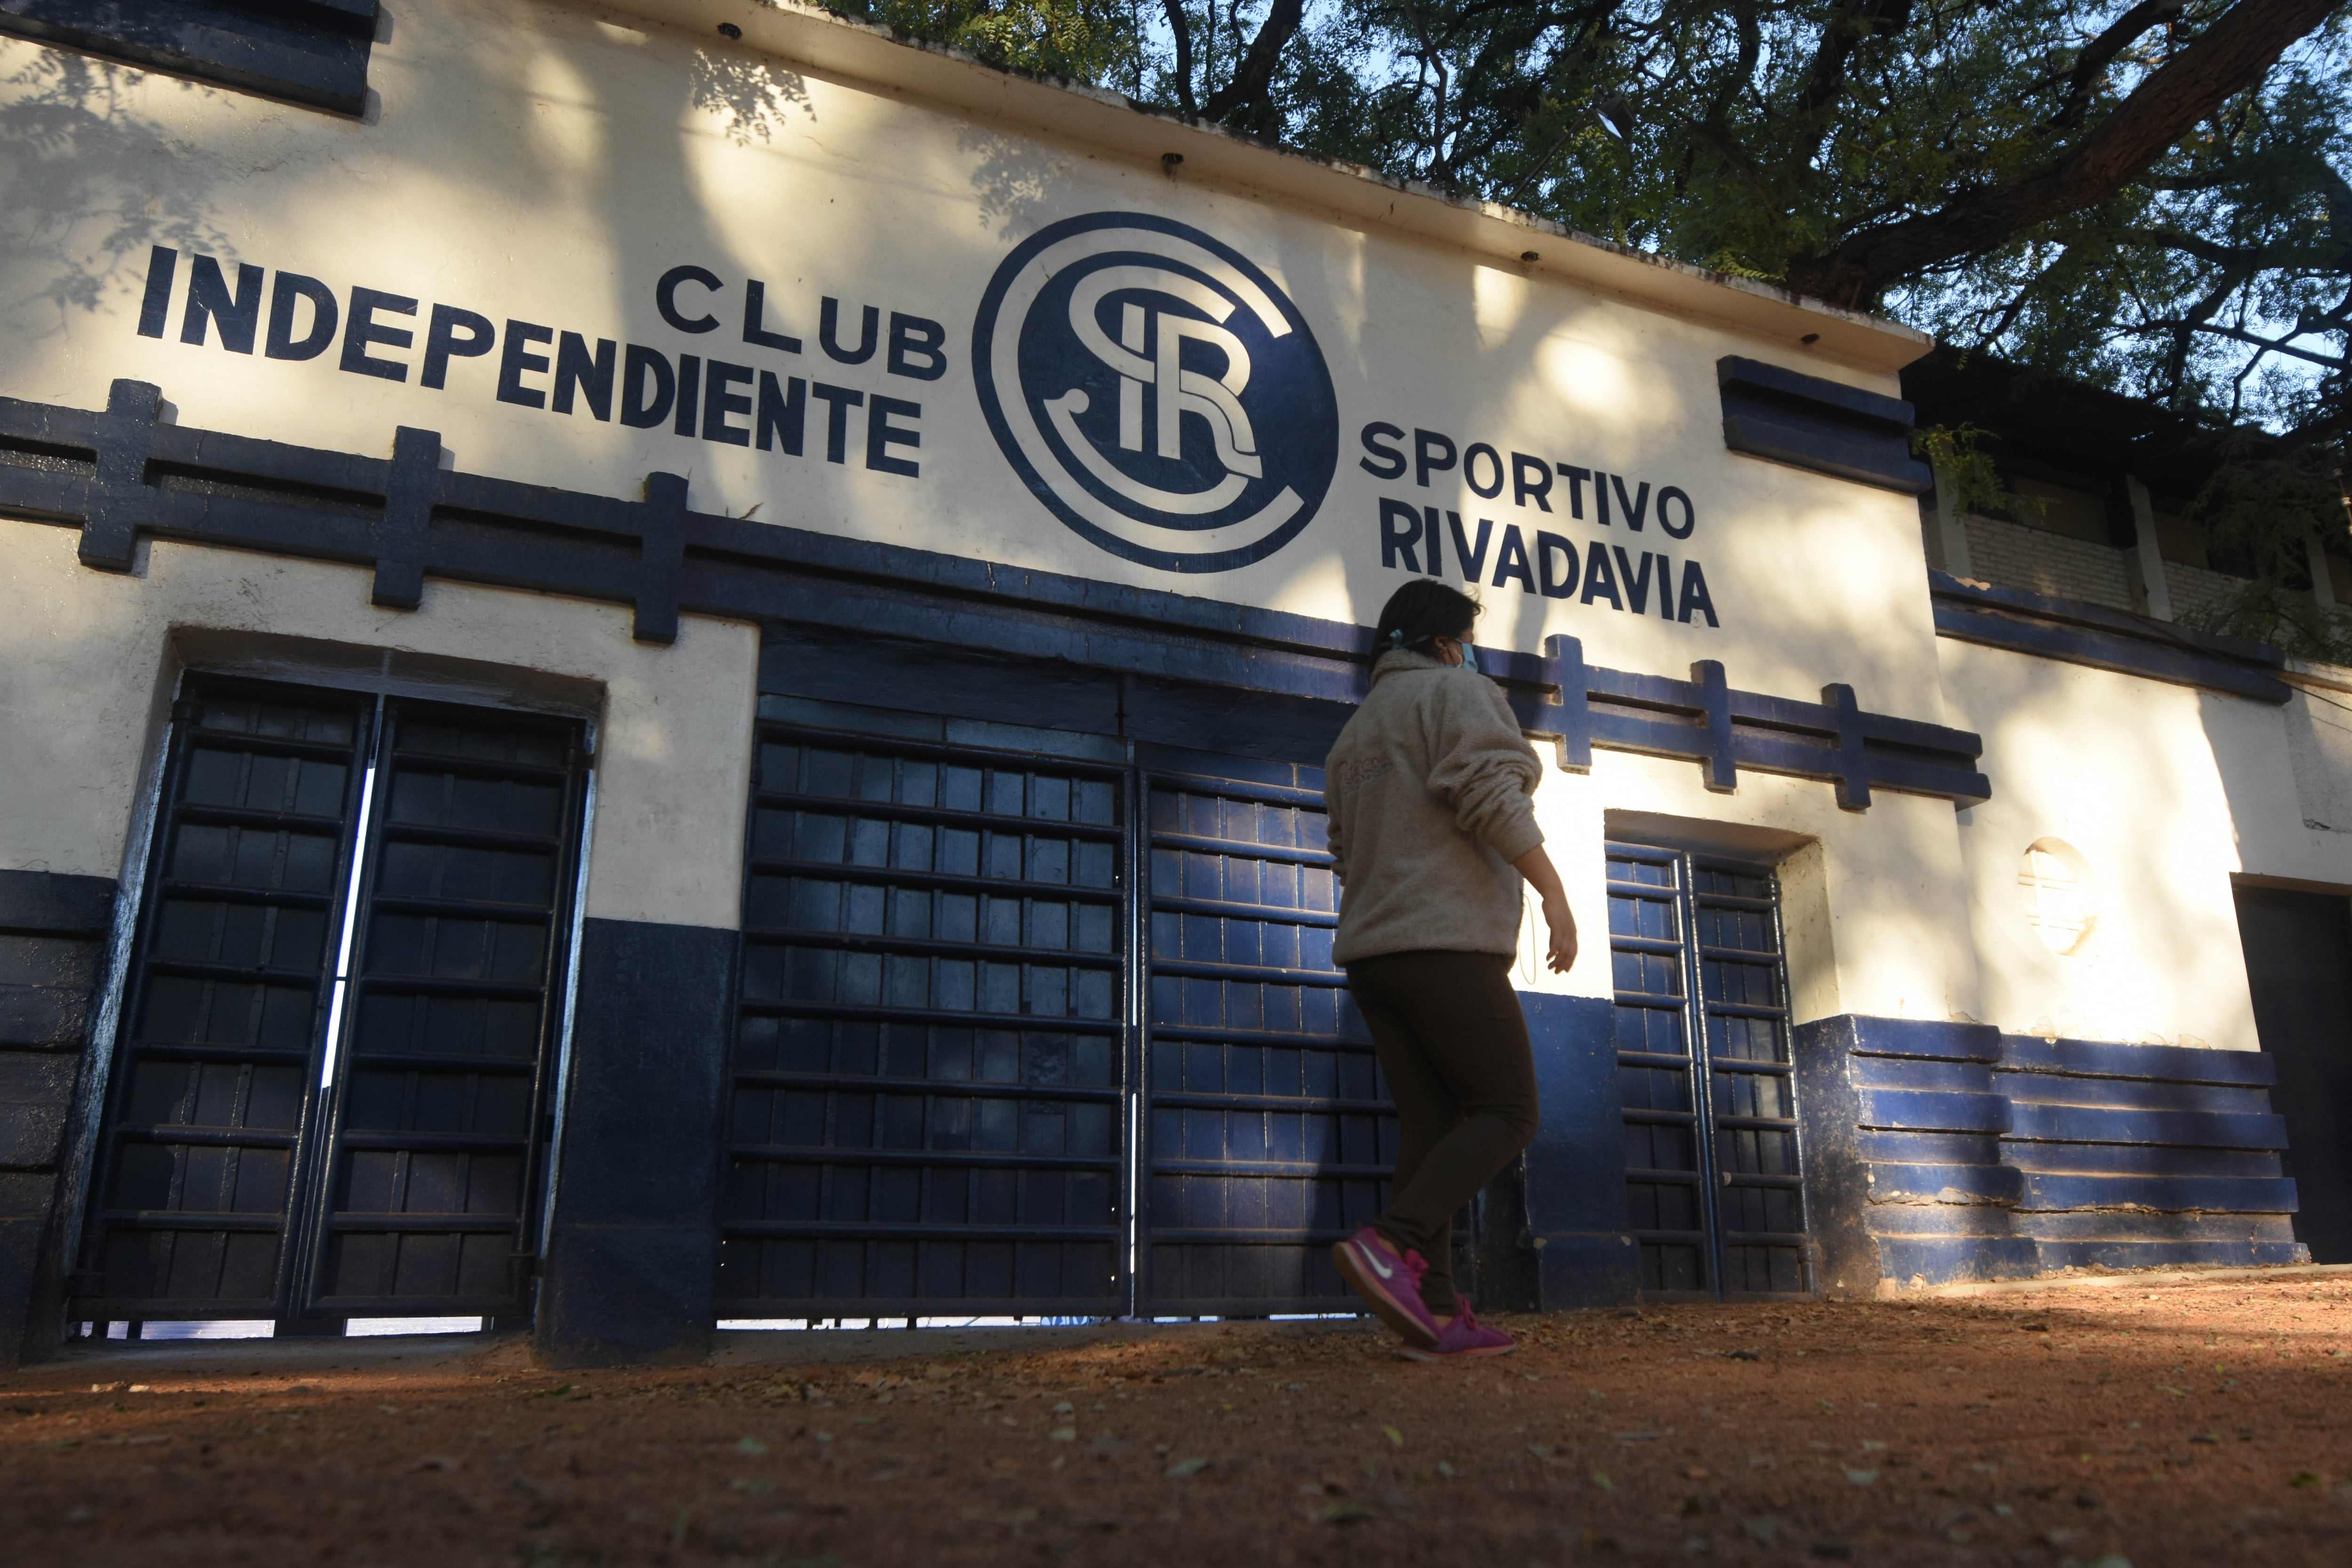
(929, 1089)
(1021, 1036)
(330, 1096)
(1712, 1175)
(1267, 1132)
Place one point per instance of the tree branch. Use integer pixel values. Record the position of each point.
(2230, 57)
(2237, 334)
(2100, 52)
(1849, 23)
(1183, 31)
(1254, 75)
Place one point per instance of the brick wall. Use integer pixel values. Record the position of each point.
(2011, 555)
(2194, 587)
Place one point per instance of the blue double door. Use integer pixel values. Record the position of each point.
(1050, 1029)
(1714, 1172)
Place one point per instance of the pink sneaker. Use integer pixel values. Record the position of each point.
(1465, 1336)
(1389, 1281)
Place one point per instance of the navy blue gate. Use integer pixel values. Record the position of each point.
(928, 1115)
(1712, 1180)
(1267, 1132)
(330, 1099)
(1021, 1036)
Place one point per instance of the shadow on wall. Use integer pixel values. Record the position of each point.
(90, 185)
(1012, 178)
(755, 98)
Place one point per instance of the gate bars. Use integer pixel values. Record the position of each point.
(333, 1096)
(1034, 1036)
(1713, 1181)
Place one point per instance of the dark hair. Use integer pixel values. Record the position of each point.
(1421, 612)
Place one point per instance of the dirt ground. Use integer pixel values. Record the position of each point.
(2164, 1420)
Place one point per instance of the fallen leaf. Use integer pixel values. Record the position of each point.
(1600, 1479)
(1062, 1434)
(2305, 1479)
(1395, 1437)
(1862, 1478)
(1347, 1513)
(1182, 1468)
(751, 1446)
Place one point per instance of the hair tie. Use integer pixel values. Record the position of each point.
(1396, 637)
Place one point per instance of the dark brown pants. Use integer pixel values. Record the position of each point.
(1454, 1046)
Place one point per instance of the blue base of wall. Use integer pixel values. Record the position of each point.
(1945, 1152)
(52, 945)
(1576, 1166)
(633, 1257)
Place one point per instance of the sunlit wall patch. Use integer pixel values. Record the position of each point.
(1159, 392)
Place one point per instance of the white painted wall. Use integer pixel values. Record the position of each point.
(545, 162)
(2132, 774)
(1874, 931)
(2288, 774)
(87, 662)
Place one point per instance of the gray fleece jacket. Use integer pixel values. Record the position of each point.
(1429, 792)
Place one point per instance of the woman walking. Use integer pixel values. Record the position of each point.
(1433, 828)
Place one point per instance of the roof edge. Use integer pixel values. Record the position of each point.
(1120, 126)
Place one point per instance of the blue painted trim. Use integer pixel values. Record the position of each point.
(1812, 423)
(2132, 1094)
(1922, 1072)
(1949, 1260)
(2162, 1063)
(2195, 1129)
(2222, 1195)
(1948, 1152)
(1928, 1110)
(1894, 1183)
(311, 52)
(1867, 1035)
(2126, 1225)
(2168, 1253)
(93, 475)
(52, 903)
(1796, 389)
(1892, 1147)
(2099, 639)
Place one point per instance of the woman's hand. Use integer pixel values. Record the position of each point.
(1559, 955)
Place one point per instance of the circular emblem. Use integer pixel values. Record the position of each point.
(1156, 391)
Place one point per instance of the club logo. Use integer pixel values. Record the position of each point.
(1157, 392)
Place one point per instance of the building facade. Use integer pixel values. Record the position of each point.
(667, 662)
